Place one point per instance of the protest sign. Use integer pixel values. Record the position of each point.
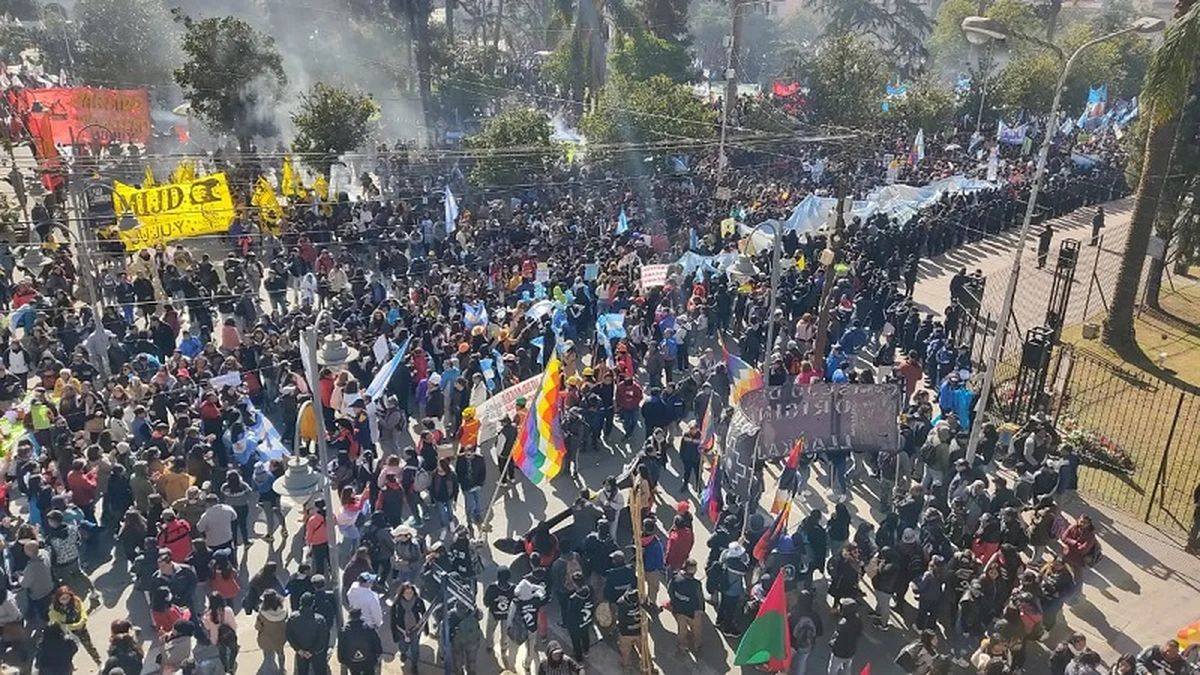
(90, 115)
(174, 211)
(859, 417)
(227, 380)
(490, 412)
(543, 273)
(654, 275)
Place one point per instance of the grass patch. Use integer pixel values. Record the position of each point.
(1131, 398)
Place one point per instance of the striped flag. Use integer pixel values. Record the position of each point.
(539, 449)
(743, 378)
(708, 426)
(766, 543)
(711, 499)
(381, 379)
(787, 480)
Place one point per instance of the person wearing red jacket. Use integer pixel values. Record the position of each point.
(679, 544)
(629, 401)
(82, 484)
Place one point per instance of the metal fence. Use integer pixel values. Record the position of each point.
(1136, 433)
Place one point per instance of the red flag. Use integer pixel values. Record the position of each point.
(766, 543)
(785, 89)
(768, 640)
(866, 669)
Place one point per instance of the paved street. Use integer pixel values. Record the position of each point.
(1141, 592)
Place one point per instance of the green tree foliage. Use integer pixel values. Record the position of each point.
(641, 57)
(126, 42)
(846, 79)
(25, 10)
(1028, 81)
(950, 48)
(231, 76)
(331, 121)
(766, 40)
(929, 105)
(514, 146)
(667, 19)
(898, 27)
(475, 79)
(648, 111)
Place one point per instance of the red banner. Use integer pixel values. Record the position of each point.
(785, 89)
(86, 115)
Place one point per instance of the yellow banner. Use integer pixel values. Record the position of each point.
(267, 203)
(173, 211)
(288, 184)
(185, 172)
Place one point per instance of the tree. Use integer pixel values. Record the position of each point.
(331, 121)
(641, 57)
(900, 32)
(415, 14)
(928, 105)
(1027, 82)
(649, 111)
(513, 147)
(25, 10)
(126, 41)
(950, 47)
(766, 40)
(587, 43)
(232, 76)
(1170, 80)
(667, 19)
(846, 79)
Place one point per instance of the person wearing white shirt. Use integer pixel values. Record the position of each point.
(362, 597)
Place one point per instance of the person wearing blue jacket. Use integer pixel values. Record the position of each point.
(654, 559)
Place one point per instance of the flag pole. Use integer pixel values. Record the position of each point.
(635, 511)
(486, 526)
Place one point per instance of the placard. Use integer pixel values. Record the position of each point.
(490, 412)
(654, 275)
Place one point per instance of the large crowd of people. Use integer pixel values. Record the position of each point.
(131, 441)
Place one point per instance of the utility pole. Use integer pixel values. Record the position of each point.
(308, 352)
(733, 42)
(829, 258)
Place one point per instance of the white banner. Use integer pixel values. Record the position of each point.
(490, 412)
(654, 275)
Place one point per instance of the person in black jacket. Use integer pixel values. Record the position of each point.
(629, 625)
(1065, 652)
(497, 598)
(581, 612)
(687, 604)
(471, 470)
(308, 635)
(325, 602)
(843, 644)
(359, 648)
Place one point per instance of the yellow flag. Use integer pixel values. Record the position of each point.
(288, 185)
(321, 187)
(267, 203)
(174, 211)
(185, 172)
(801, 263)
(148, 180)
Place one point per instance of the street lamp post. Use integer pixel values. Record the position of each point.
(979, 30)
(776, 256)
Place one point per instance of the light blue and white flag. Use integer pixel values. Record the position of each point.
(381, 379)
(475, 314)
(622, 223)
(451, 212)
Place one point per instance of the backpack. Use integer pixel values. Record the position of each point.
(226, 636)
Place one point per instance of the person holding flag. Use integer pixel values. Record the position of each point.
(767, 642)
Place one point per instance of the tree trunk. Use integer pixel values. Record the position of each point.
(1160, 139)
(499, 23)
(1052, 13)
(450, 26)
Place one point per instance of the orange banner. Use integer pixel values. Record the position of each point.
(88, 115)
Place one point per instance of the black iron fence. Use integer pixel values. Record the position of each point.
(1136, 436)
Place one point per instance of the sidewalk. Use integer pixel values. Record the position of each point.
(1143, 590)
